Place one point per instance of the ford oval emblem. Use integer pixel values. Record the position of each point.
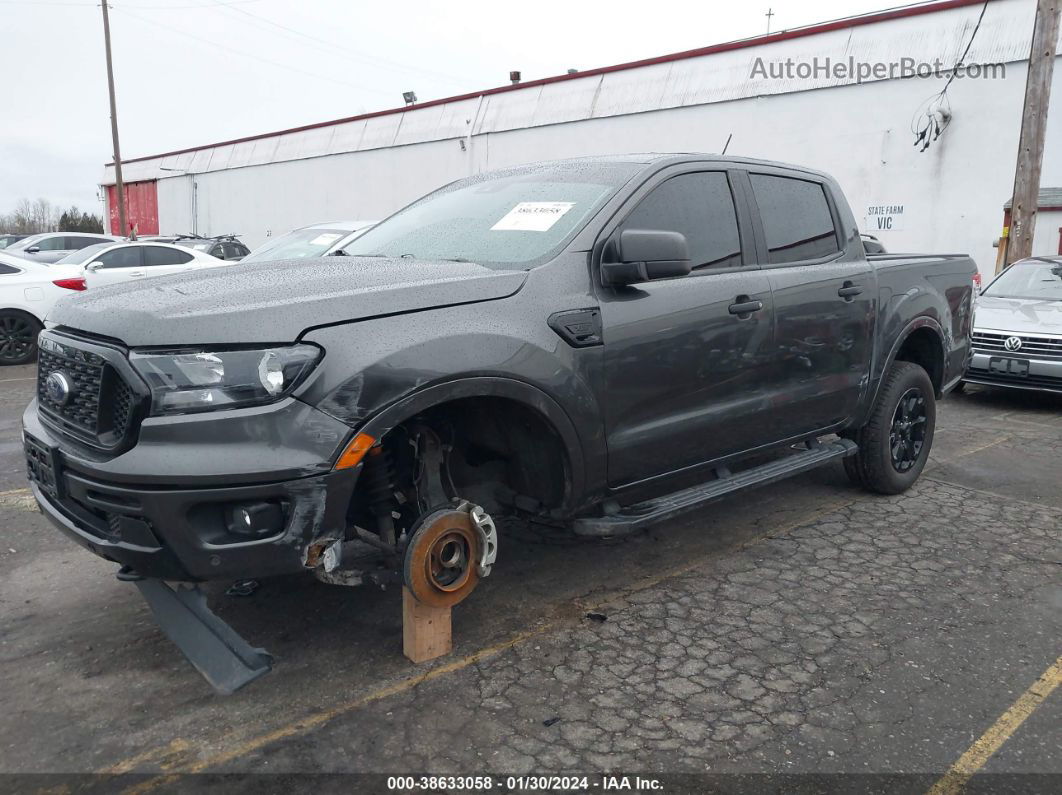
(1012, 344)
(58, 389)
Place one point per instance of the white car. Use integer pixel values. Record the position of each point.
(319, 240)
(28, 290)
(114, 263)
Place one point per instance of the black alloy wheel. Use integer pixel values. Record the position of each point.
(18, 338)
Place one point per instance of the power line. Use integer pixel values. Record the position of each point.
(253, 56)
(197, 5)
(340, 48)
(933, 116)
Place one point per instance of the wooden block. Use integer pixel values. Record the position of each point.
(425, 630)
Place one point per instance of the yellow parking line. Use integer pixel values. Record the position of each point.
(988, 743)
(20, 499)
(978, 449)
(318, 719)
(175, 748)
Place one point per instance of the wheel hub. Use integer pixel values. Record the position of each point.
(441, 558)
(908, 431)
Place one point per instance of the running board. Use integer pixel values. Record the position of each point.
(640, 516)
(224, 659)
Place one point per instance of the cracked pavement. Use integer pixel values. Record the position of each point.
(804, 628)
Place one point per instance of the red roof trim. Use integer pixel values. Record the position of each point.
(785, 35)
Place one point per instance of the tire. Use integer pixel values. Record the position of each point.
(18, 337)
(894, 445)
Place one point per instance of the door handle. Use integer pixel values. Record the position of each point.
(849, 290)
(744, 305)
(136, 273)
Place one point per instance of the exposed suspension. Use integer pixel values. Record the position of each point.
(379, 482)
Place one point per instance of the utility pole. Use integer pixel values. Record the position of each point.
(1033, 130)
(769, 14)
(119, 187)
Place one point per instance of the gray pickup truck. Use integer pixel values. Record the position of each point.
(604, 342)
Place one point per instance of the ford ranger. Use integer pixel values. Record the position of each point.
(601, 342)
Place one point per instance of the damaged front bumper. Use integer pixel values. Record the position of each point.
(149, 510)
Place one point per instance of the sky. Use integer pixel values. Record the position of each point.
(192, 72)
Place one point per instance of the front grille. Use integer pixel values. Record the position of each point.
(82, 409)
(82, 394)
(1032, 347)
(123, 404)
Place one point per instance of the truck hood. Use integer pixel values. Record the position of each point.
(276, 301)
(1030, 316)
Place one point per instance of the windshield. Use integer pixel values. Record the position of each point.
(507, 219)
(84, 255)
(298, 244)
(1029, 278)
(26, 242)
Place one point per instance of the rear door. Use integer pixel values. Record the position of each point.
(163, 260)
(684, 374)
(824, 294)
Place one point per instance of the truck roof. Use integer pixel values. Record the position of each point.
(682, 157)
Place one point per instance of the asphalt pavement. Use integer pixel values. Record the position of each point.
(805, 628)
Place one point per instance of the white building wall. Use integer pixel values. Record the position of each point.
(952, 194)
(1048, 233)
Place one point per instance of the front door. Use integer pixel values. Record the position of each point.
(684, 373)
(824, 296)
(115, 265)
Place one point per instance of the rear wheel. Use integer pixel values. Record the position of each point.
(894, 444)
(18, 337)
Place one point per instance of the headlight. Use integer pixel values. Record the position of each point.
(183, 381)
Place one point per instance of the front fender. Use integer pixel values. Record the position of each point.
(489, 386)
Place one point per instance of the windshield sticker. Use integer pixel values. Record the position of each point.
(325, 239)
(533, 216)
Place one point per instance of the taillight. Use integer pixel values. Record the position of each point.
(77, 283)
(977, 281)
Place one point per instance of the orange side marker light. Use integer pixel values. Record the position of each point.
(355, 451)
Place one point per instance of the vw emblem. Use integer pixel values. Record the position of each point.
(58, 388)
(1012, 344)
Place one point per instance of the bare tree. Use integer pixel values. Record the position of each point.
(31, 217)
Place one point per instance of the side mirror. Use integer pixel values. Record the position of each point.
(646, 254)
(92, 267)
(33, 250)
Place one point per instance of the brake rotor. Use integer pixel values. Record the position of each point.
(440, 563)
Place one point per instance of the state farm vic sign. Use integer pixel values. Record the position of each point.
(884, 217)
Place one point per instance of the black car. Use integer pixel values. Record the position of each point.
(226, 247)
(601, 342)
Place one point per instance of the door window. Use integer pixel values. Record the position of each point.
(51, 244)
(77, 243)
(235, 251)
(701, 207)
(157, 255)
(121, 257)
(796, 218)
